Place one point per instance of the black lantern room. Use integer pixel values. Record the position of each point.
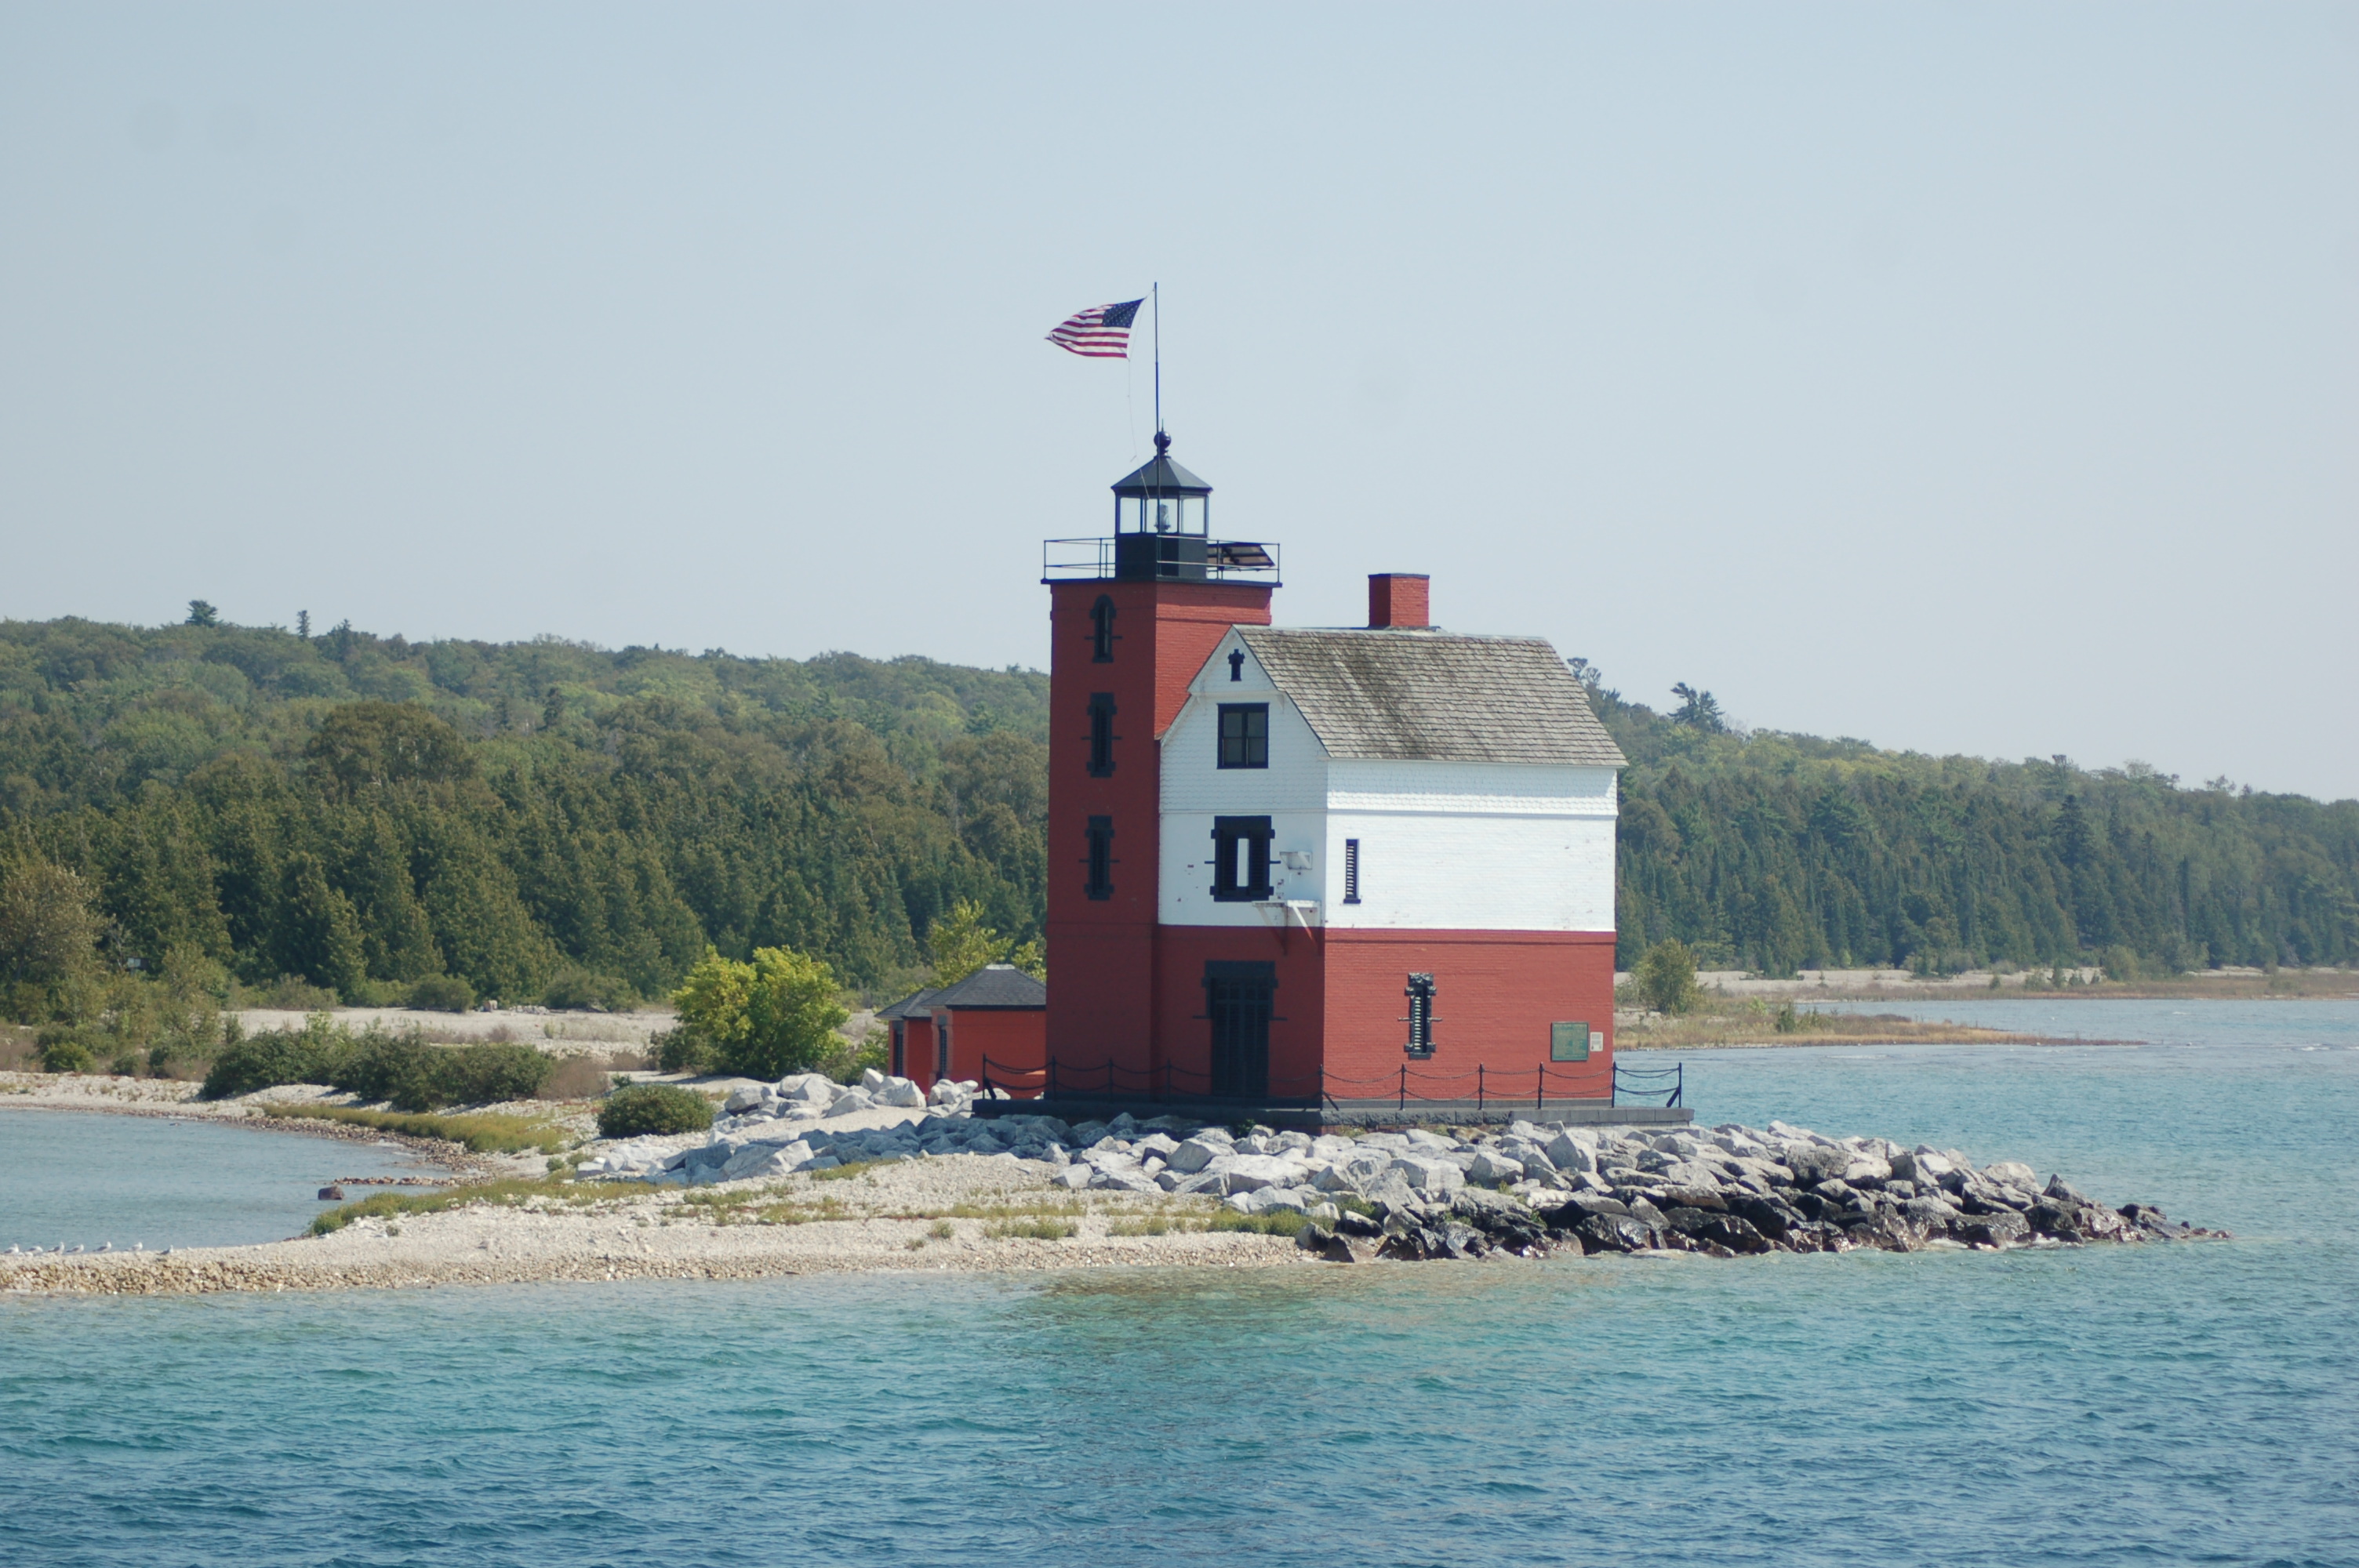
(1161, 515)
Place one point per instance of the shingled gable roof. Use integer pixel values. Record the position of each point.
(997, 984)
(911, 1006)
(1425, 696)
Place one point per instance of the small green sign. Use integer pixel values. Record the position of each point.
(1568, 1042)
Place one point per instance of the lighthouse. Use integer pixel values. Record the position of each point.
(1319, 866)
(1133, 616)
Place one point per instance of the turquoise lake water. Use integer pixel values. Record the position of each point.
(80, 1179)
(2195, 1403)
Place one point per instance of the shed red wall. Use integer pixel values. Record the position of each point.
(916, 1039)
(1014, 1038)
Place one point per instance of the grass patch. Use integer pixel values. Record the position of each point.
(1153, 1224)
(1045, 1208)
(1033, 1229)
(845, 1172)
(1269, 1222)
(480, 1132)
(943, 1230)
(507, 1193)
(765, 1206)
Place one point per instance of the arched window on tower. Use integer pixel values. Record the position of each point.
(1102, 630)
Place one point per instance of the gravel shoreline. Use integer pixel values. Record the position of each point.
(890, 1218)
(770, 1192)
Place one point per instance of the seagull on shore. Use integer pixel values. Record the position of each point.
(106, 1247)
(77, 1246)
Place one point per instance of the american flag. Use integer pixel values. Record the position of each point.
(1103, 333)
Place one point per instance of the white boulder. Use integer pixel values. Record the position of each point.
(1428, 1174)
(1193, 1155)
(1489, 1165)
(1251, 1173)
(1567, 1153)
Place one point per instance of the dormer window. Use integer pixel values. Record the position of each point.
(1245, 734)
(1102, 630)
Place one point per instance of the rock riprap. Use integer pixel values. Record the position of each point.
(1426, 1195)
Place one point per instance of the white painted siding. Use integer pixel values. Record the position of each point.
(1464, 871)
(1292, 792)
(1443, 846)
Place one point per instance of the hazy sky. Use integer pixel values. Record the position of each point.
(1970, 378)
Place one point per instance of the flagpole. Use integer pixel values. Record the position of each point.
(1156, 290)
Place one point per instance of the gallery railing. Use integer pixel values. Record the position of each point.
(1479, 1085)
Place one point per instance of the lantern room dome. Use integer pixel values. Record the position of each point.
(1159, 477)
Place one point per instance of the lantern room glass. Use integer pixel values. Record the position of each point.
(1162, 515)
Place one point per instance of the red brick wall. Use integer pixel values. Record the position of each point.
(1185, 1031)
(1101, 952)
(1495, 994)
(1400, 599)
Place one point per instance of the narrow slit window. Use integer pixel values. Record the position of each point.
(1102, 630)
(1420, 1015)
(1245, 734)
(1101, 884)
(1102, 734)
(1350, 871)
(1240, 859)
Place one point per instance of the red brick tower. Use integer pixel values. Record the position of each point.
(1132, 619)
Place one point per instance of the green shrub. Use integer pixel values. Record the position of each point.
(774, 1016)
(682, 1051)
(658, 1108)
(478, 1075)
(311, 1055)
(414, 1076)
(293, 994)
(402, 1069)
(579, 989)
(1666, 977)
(442, 993)
(64, 1050)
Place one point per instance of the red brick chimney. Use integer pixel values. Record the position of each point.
(1398, 598)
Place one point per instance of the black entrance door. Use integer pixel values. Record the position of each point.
(1238, 997)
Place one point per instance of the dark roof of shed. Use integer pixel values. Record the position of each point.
(997, 984)
(1428, 696)
(911, 1006)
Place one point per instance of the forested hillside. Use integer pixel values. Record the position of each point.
(366, 813)
(1772, 852)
